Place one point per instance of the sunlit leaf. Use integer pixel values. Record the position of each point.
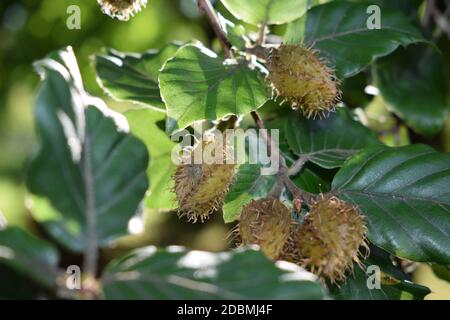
(88, 176)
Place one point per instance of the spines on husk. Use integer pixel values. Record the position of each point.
(299, 76)
(266, 223)
(329, 240)
(121, 9)
(201, 188)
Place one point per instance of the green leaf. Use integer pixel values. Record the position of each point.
(175, 273)
(328, 142)
(278, 122)
(236, 34)
(133, 77)
(144, 125)
(88, 174)
(353, 91)
(32, 257)
(308, 180)
(266, 11)
(405, 194)
(407, 7)
(198, 85)
(416, 70)
(253, 180)
(443, 272)
(394, 284)
(248, 185)
(339, 31)
(14, 285)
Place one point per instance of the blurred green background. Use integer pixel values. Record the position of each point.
(29, 29)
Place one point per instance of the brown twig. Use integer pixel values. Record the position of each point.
(207, 8)
(296, 192)
(441, 19)
(260, 124)
(277, 188)
(283, 176)
(297, 166)
(262, 34)
(260, 52)
(428, 13)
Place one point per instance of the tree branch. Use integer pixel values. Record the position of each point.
(442, 21)
(260, 124)
(428, 13)
(283, 176)
(297, 166)
(206, 7)
(277, 188)
(296, 192)
(262, 34)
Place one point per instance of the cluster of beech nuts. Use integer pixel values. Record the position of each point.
(330, 236)
(328, 241)
(301, 77)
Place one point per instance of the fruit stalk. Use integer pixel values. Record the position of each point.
(283, 176)
(206, 7)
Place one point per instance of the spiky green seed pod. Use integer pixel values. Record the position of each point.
(266, 223)
(305, 80)
(201, 188)
(330, 238)
(121, 9)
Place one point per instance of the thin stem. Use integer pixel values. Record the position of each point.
(263, 131)
(428, 13)
(228, 123)
(441, 19)
(283, 177)
(260, 52)
(207, 8)
(262, 34)
(277, 189)
(296, 191)
(297, 166)
(91, 251)
(442, 22)
(397, 132)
